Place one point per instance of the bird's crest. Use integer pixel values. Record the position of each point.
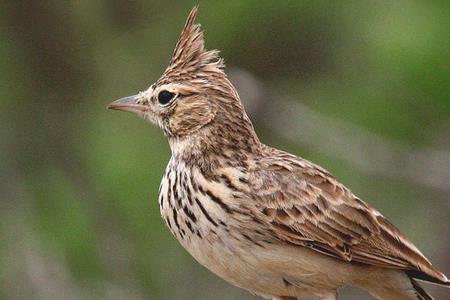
(190, 54)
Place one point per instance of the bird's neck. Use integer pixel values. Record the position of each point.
(216, 145)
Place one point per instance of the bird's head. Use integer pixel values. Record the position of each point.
(193, 99)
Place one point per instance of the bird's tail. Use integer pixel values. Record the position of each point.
(420, 292)
(398, 286)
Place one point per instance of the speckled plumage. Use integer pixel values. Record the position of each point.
(260, 218)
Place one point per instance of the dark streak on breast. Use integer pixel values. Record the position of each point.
(175, 218)
(208, 217)
(189, 226)
(228, 182)
(243, 180)
(219, 202)
(189, 213)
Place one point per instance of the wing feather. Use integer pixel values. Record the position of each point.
(306, 206)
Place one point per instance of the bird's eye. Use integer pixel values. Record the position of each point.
(165, 97)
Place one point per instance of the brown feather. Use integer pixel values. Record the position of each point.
(225, 192)
(331, 217)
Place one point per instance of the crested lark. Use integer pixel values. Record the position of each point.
(262, 219)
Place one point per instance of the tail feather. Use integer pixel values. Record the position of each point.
(420, 275)
(420, 292)
(398, 285)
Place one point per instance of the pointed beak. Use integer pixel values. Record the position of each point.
(128, 104)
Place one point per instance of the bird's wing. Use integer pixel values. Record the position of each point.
(304, 205)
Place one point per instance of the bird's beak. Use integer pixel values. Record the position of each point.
(128, 104)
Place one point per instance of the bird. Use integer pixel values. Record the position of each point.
(262, 219)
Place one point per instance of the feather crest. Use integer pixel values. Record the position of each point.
(190, 54)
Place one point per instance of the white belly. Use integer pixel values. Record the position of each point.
(272, 270)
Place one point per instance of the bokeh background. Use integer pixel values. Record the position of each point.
(362, 88)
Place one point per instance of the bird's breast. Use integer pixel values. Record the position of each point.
(209, 218)
(194, 208)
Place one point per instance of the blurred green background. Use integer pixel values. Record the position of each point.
(361, 88)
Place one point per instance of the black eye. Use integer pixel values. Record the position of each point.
(164, 97)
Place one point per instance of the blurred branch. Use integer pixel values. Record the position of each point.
(370, 153)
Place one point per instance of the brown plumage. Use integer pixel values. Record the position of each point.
(265, 220)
